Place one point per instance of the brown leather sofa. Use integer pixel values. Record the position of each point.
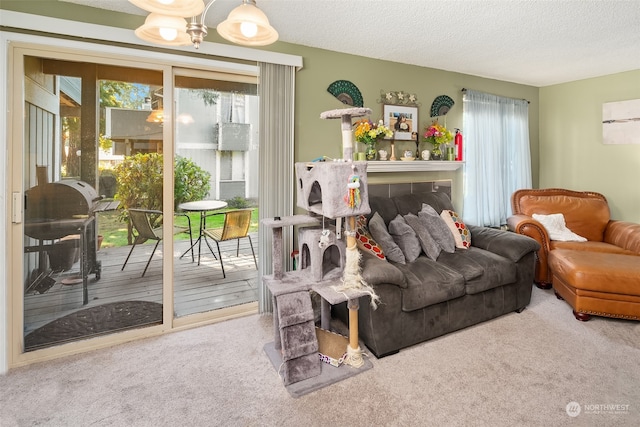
(600, 276)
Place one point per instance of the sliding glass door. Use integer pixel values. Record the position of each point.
(216, 154)
(87, 142)
(115, 164)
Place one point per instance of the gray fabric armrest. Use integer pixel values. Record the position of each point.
(510, 245)
(376, 271)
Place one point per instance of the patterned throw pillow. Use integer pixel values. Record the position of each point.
(461, 233)
(364, 240)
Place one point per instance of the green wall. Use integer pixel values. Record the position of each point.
(571, 150)
(315, 137)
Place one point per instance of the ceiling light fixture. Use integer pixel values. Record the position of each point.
(246, 24)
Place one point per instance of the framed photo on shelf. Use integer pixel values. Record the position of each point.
(402, 120)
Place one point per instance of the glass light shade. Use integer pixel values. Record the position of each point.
(181, 8)
(231, 28)
(248, 29)
(157, 28)
(168, 34)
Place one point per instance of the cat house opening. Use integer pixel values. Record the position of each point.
(315, 195)
(331, 260)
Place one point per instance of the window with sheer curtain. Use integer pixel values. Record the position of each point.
(497, 156)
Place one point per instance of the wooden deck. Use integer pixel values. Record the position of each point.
(198, 288)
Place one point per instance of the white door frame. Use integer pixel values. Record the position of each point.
(15, 46)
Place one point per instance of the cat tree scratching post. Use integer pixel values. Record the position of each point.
(351, 277)
(354, 353)
(345, 115)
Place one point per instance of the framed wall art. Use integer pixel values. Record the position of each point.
(402, 120)
(621, 122)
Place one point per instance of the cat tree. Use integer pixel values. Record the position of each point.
(327, 191)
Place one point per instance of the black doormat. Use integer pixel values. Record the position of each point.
(90, 322)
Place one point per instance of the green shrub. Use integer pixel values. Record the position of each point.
(191, 181)
(239, 203)
(140, 182)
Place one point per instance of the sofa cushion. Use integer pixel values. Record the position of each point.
(464, 265)
(376, 271)
(378, 230)
(496, 270)
(437, 228)
(429, 245)
(385, 207)
(510, 245)
(365, 241)
(429, 282)
(405, 238)
(412, 203)
(587, 217)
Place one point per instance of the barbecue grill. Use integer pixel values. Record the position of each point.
(58, 209)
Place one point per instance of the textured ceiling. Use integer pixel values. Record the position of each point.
(531, 42)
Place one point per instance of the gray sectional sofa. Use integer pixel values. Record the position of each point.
(424, 299)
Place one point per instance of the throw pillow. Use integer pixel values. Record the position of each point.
(365, 241)
(378, 230)
(460, 232)
(557, 228)
(405, 238)
(430, 247)
(437, 228)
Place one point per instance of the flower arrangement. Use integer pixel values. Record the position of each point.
(437, 135)
(369, 132)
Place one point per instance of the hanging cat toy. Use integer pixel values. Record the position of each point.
(353, 192)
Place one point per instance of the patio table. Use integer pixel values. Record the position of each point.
(202, 206)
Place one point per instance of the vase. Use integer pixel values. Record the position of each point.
(371, 152)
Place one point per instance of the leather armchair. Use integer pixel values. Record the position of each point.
(586, 213)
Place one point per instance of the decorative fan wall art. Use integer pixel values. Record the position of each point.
(441, 105)
(346, 92)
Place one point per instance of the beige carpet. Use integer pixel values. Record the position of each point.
(520, 369)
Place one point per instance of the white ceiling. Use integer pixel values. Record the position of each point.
(533, 42)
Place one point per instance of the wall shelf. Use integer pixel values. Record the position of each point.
(413, 166)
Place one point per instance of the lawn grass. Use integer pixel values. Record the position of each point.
(114, 229)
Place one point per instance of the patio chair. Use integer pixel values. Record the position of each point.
(235, 227)
(147, 225)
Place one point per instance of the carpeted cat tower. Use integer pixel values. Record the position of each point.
(330, 191)
(356, 200)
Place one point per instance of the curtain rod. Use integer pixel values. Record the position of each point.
(464, 89)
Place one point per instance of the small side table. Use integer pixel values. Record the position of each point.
(202, 206)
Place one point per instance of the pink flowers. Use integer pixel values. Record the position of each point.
(437, 134)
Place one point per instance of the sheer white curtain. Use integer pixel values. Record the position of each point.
(276, 90)
(497, 156)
